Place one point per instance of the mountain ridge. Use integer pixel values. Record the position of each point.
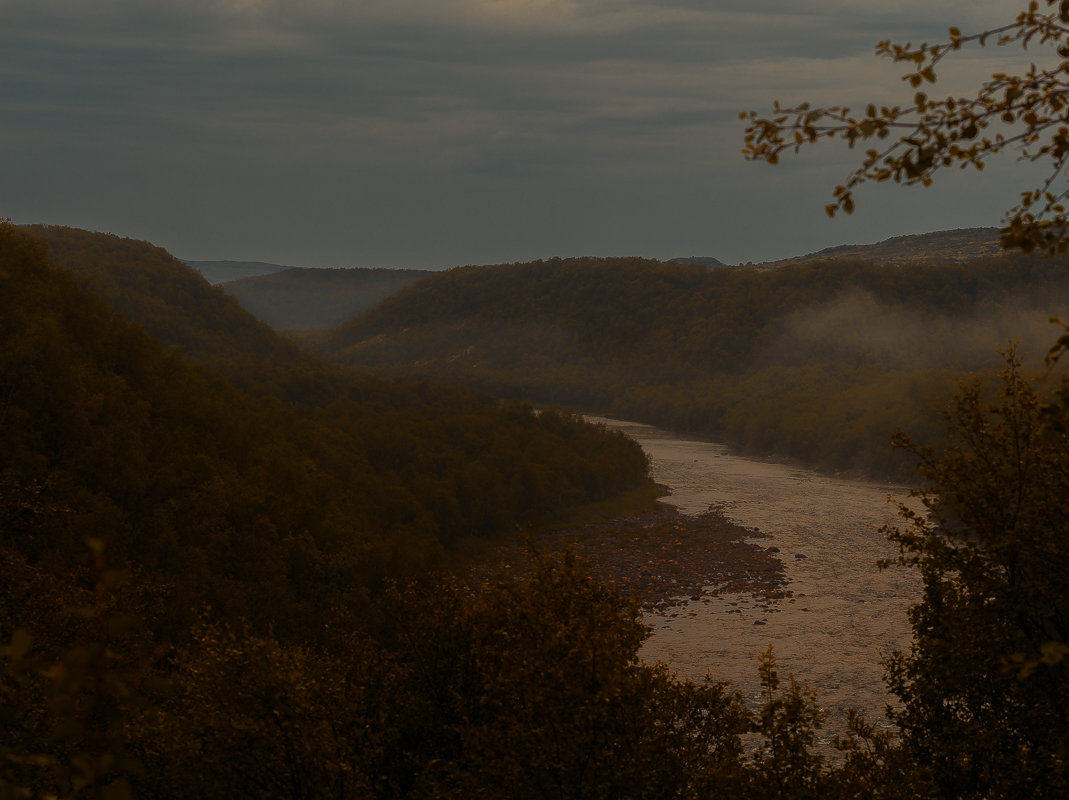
(946, 246)
(310, 297)
(216, 272)
(953, 245)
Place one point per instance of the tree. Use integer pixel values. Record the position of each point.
(984, 689)
(1026, 113)
(985, 685)
(532, 687)
(786, 765)
(251, 716)
(69, 687)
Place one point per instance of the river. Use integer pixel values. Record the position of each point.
(844, 615)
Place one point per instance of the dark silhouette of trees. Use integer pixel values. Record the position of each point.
(985, 686)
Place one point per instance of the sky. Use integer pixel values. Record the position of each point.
(434, 133)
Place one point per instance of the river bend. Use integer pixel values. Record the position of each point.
(844, 615)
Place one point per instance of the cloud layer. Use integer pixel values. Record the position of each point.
(406, 133)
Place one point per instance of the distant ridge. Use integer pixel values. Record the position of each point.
(223, 271)
(940, 247)
(704, 261)
(302, 298)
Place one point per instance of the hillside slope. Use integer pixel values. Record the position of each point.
(169, 299)
(939, 247)
(317, 298)
(817, 360)
(267, 511)
(223, 271)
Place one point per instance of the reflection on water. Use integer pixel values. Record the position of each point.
(844, 615)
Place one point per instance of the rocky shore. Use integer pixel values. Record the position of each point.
(664, 558)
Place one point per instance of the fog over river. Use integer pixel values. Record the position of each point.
(843, 614)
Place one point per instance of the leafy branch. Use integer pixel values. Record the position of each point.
(1027, 113)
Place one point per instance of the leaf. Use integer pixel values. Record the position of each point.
(21, 642)
(1053, 653)
(119, 790)
(114, 579)
(119, 624)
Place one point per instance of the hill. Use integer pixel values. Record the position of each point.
(223, 271)
(171, 300)
(939, 247)
(820, 360)
(317, 298)
(269, 506)
(705, 261)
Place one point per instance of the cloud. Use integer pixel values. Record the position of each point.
(532, 102)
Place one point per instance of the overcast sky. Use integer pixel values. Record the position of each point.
(432, 133)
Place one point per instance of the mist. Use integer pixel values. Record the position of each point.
(856, 328)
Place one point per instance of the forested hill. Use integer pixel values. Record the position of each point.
(269, 512)
(820, 361)
(317, 298)
(170, 299)
(938, 247)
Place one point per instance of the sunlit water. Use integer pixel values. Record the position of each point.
(844, 615)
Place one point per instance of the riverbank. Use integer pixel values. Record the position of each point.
(664, 558)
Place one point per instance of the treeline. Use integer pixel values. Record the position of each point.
(817, 361)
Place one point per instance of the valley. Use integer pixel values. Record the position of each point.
(426, 536)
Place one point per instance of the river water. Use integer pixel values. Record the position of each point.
(843, 616)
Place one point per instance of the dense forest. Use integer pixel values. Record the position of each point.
(308, 487)
(821, 361)
(225, 567)
(170, 300)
